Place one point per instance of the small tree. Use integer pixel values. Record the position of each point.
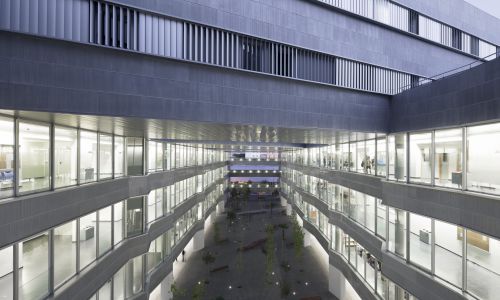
(216, 233)
(298, 238)
(231, 217)
(199, 290)
(177, 293)
(269, 250)
(208, 258)
(285, 289)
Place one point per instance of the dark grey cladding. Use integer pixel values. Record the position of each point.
(469, 97)
(38, 74)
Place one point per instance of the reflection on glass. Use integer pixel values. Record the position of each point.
(65, 156)
(420, 157)
(6, 157)
(119, 156)
(420, 240)
(483, 265)
(448, 158)
(105, 156)
(87, 239)
(104, 292)
(64, 252)
(397, 157)
(34, 150)
(88, 156)
(118, 222)
(449, 249)
(105, 222)
(397, 232)
(483, 160)
(381, 157)
(134, 156)
(6, 273)
(34, 267)
(134, 216)
(381, 216)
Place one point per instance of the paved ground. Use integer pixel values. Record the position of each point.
(245, 278)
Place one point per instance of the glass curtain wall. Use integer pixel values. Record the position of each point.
(34, 157)
(65, 241)
(105, 156)
(6, 157)
(34, 267)
(65, 156)
(420, 157)
(88, 156)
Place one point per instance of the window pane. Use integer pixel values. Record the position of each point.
(119, 156)
(381, 157)
(381, 216)
(397, 157)
(34, 149)
(448, 250)
(134, 156)
(34, 267)
(483, 161)
(105, 156)
(420, 157)
(88, 156)
(104, 292)
(420, 240)
(65, 156)
(104, 230)
(6, 157)
(6, 273)
(87, 239)
(134, 216)
(64, 252)
(448, 158)
(118, 222)
(152, 156)
(483, 265)
(397, 232)
(360, 156)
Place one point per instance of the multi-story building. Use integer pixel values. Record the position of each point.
(116, 116)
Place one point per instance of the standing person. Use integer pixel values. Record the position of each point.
(183, 253)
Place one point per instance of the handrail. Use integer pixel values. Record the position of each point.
(424, 81)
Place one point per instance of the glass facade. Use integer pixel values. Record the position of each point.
(34, 157)
(65, 155)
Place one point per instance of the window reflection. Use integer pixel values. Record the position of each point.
(65, 156)
(88, 156)
(65, 239)
(448, 158)
(6, 157)
(34, 156)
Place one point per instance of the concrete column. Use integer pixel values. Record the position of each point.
(307, 238)
(220, 207)
(199, 240)
(336, 282)
(288, 209)
(283, 202)
(165, 285)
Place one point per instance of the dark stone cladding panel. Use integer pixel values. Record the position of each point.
(24, 216)
(38, 74)
(309, 25)
(418, 283)
(359, 285)
(470, 97)
(474, 211)
(91, 279)
(366, 184)
(463, 15)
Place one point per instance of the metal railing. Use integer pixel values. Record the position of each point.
(456, 71)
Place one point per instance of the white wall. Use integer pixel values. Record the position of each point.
(6, 264)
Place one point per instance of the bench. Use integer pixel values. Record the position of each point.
(219, 269)
(252, 245)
